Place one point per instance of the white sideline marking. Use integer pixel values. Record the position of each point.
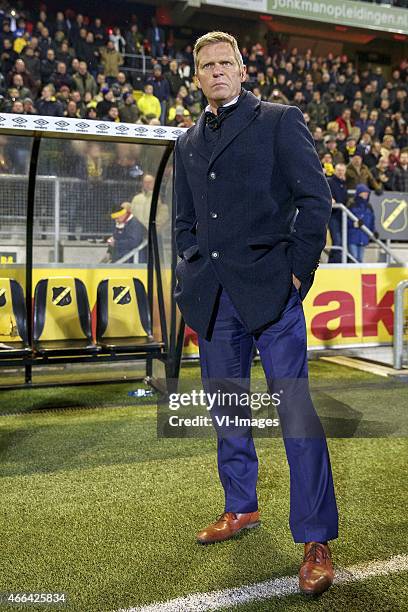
(278, 587)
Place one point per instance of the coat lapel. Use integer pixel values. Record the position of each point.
(196, 137)
(240, 118)
(246, 112)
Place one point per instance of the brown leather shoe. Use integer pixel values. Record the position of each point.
(316, 572)
(227, 525)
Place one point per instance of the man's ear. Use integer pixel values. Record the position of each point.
(196, 81)
(243, 73)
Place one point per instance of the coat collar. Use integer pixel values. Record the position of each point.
(245, 112)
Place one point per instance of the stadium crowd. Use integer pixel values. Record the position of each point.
(76, 66)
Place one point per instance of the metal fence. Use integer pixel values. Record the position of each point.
(400, 341)
(77, 185)
(346, 256)
(64, 207)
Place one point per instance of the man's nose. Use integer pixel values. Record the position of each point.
(218, 69)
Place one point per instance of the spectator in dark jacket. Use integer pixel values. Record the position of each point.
(90, 54)
(383, 174)
(61, 77)
(338, 188)
(64, 54)
(373, 157)
(48, 66)
(361, 208)
(161, 89)
(8, 56)
(156, 38)
(128, 233)
(48, 104)
(99, 32)
(400, 179)
(20, 68)
(32, 64)
(45, 42)
(104, 105)
(128, 110)
(174, 79)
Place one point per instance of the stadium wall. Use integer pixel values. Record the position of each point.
(347, 306)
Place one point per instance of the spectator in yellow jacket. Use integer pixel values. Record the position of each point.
(148, 103)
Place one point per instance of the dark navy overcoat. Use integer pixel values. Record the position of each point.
(249, 215)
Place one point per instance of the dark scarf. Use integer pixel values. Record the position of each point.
(214, 121)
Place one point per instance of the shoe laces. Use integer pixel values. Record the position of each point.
(224, 516)
(317, 553)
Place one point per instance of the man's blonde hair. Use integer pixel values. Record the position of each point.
(216, 37)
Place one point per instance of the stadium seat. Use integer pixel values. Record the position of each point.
(123, 317)
(13, 320)
(62, 319)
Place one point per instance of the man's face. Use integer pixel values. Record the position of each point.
(404, 159)
(18, 107)
(356, 161)
(122, 218)
(218, 73)
(340, 171)
(148, 182)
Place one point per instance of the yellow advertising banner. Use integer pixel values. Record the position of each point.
(346, 306)
(349, 306)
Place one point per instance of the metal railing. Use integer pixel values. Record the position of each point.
(65, 208)
(400, 325)
(132, 253)
(346, 256)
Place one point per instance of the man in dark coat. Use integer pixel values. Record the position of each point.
(400, 179)
(128, 234)
(241, 175)
(338, 188)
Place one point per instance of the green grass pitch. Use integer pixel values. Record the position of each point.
(94, 505)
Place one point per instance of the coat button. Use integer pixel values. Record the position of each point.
(213, 176)
(213, 214)
(215, 254)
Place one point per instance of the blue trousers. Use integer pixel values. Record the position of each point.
(227, 355)
(335, 233)
(357, 250)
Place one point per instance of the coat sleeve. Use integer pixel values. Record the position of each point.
(186, 241)
(301, 169)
